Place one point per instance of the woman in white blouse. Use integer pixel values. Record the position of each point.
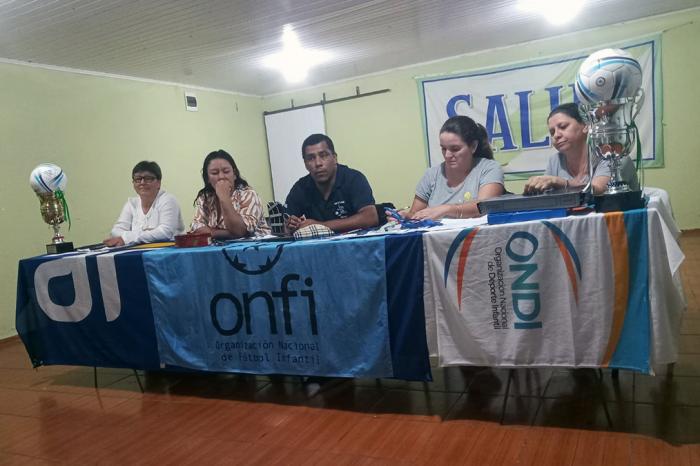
(152, 216)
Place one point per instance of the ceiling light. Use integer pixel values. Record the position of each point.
(294, 61)
(557, 12)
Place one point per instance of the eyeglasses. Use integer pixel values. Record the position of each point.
(143, 179)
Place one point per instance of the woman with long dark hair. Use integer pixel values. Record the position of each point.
(227, 207)
(469, 173)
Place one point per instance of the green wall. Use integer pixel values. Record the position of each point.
(382, 135)
(97, 128)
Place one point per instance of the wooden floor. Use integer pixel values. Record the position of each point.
(55, 415)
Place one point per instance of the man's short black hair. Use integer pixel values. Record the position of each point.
(316, 139)
(146, 166)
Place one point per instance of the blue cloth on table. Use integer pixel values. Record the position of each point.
(632, 352)
(404, 276)
(127, 341)
(121, 333)
(313, 308)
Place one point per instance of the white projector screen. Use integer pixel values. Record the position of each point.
(285, 133)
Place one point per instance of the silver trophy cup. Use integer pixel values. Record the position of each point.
(611, 136)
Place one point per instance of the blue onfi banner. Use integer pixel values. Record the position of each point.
(273, 308)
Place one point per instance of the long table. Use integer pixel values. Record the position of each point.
(562, 292)
(343, 308)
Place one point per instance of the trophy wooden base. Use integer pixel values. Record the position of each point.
(59, 248)
(618, 201)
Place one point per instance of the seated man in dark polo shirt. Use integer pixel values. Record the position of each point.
(331, 194)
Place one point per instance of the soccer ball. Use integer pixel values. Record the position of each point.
(47, 178)
(606, 75)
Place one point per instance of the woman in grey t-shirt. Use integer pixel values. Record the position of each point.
(467, 174)
(568, 169)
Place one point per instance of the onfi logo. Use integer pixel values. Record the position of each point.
(239, 263)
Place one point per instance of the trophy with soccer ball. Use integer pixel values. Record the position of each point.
(48, 182)
(608, 86)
